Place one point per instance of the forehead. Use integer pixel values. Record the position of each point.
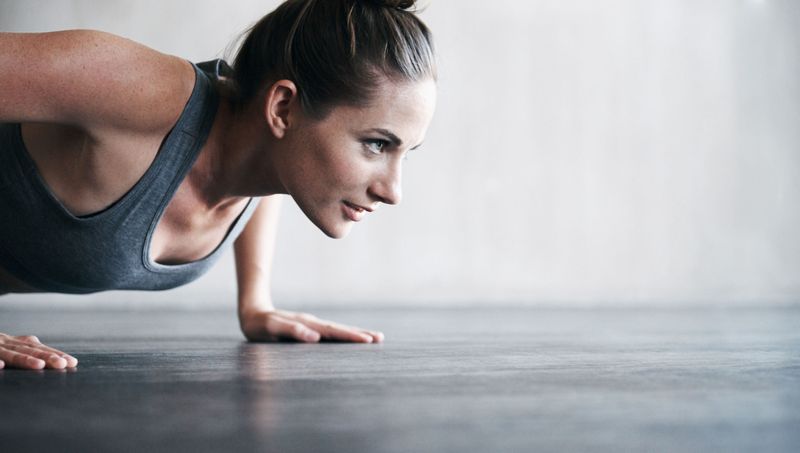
(404, 107)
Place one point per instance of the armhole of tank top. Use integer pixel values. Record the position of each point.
(29, 167)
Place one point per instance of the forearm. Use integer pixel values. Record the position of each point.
(254, 289)
(254, 251)
(258, 318)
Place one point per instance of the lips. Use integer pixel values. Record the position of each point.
(354, 212)
(358, 206)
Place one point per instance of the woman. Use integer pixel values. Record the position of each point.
(124, 168)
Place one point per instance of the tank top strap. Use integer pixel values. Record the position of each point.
(183, 143)
(218, 69)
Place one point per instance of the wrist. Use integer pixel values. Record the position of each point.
(249, 305)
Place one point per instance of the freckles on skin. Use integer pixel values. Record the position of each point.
(329, 162)
(326, 172)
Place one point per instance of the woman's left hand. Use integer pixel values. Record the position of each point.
(274, 325)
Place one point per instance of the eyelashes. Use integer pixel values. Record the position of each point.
(376, 145)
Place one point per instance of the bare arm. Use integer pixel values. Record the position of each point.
(93, 80)
(258, 318)
(254, 250)
(107, 87)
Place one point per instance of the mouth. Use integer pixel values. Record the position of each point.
(358, 207)
(354, 212)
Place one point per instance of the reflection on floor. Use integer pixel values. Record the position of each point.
(445, 381)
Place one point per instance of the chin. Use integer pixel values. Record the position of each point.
(331, 223)
(336, 230)
(340, 233)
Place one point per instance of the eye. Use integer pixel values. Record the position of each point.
(376, 145)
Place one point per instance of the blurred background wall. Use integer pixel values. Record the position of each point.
(620, 152)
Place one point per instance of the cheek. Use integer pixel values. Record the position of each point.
(349, 173)
(342, 170)
(330, 168)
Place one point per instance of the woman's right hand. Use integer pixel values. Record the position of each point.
(27, 352)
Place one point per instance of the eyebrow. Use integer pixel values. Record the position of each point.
(394, 139)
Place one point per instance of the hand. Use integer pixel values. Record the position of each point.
(272, 325)
(28, 352)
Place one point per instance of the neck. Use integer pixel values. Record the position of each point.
(236, 161)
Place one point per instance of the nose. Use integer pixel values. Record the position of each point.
(388, 187)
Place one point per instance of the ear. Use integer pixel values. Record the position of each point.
(279, 103)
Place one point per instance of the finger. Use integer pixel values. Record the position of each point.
(19, 360)
(339, 332)
(72, 362)
(52, 360)
(285, 328)
(377, 337)
(2, 364)
(29, 339)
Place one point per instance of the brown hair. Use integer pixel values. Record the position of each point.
(335, 51)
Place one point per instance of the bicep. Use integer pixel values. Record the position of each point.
(88, 79)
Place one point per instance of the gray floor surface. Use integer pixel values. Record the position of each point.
(462, 380)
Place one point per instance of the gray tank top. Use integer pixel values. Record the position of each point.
(45, 246)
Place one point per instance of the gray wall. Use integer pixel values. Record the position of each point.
(583, 153)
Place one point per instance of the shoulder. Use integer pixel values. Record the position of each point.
(97, 81)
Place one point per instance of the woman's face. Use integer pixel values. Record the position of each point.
(341, 168)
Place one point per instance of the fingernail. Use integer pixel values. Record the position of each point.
(38, 363)
(58, 362)
(312, 336)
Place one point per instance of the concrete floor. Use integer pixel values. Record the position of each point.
(445, 381)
